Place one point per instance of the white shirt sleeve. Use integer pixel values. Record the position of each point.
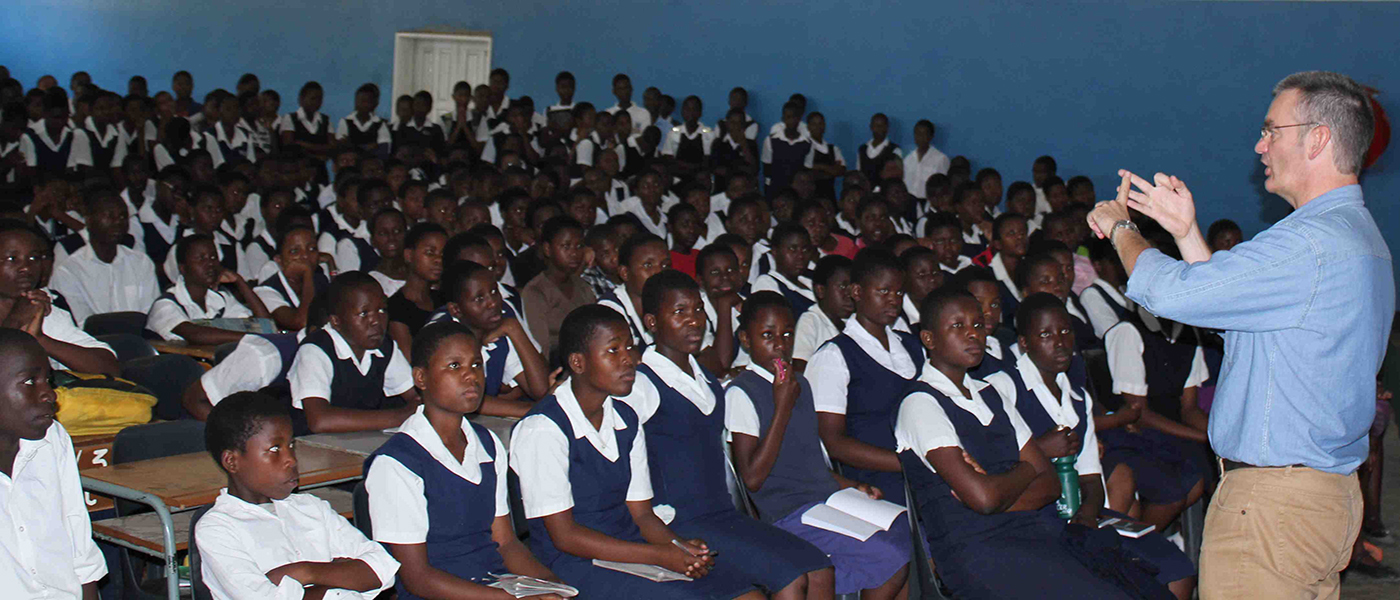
(80, 153)
(88, 562)
(398, 377)
(840, 160)
(765, 283)
(806, 340)
(166, 314)
(228, 564)
(739, 413)
(328, 244)
(349, 542)
(397, 506)
(1100, 314)
(829, 375)
(766, 155)
(347, 258)
(639, 488)
(502, 466)
(271, 298)
(233, 309)
(645, 399)
(584, 152)
(1124, 346)
(672, 143)
(513, 367)
(310, 375)
(26, 148)
(922, 426)
(1199, 371)
(60, 326)
(342, 130)
(253, 364)
(1088, 461)
(539, 453)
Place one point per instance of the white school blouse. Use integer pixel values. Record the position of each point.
(312, 371)
(814, 328)
(917, 169)
(397, 506)
(922, 424)
(253, 365)
(59, 325)
(240, 542)
(44, 527)
(830, 376)
(1061, 409)
(539, 454)
(1124, 345)
(167, 313)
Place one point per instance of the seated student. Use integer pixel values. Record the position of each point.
(206, 211)
(690, 142)
(50, 551)
(831, 283)
(582, 499)
(259, 363)
(859, 376)
(410, 307)
(899, 201)
(816, 219)
(1104, 301)
(720, 279)
(515, 371)
(646, 205)
(792, 251)
(921, 277)
(527, 262)
(54, 146)
(553, 294)
(778, 456)
(354, 247)
(105, 275)
(241, 217)
(26, 306)
(747, 217)
(680, 401)
(871, 156)
(350, 375)
(485, 246)
(945, 239)
(1020, 199)
(226, 142)
(387, 235)
(363, 128)
(1033, 275)
(297, 273)
(601, 255)
(259, 540)
(1070, 228)
(1059, 413)
(198, 294)
(307, 128)
(581, 204)
(972, 214)
(516, 232)
(440, 208)
(104, 139)
(986, 494)
(261, 244)
(1000, 337)
(342, 218)
(1009, 246)
(683, 226)
(848, 206)
(639, 258)
(437, 488)
(784, 151)
(1223, 235)
(989, 181)
(412, 200)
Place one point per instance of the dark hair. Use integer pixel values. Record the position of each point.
(1053, 181)
(1078, 181)
(236, 419)
(963, 279)
(182, 247)
(629, 247)
(940, 220)
(556, 226)
(987, 173)
(907, 259)
(374, 185)
(1048, 161)
(828, 267)
(455, 277)
(98, 195)
(1219, 228)
(1033, 261)
(1102, 249)
(933, 304)
(872, 261)
(416, 233)
(1004, 220)
(291, 219)
(582, 324)
(757, 302)
(870, 202)
(1038, 303)
(487, 231)
(1019, 187)
(926, 123)
(432, 335)
(563, 76)
(666, 281)
(368, 88)
(338, 293)
(709, 252)
(678, 209)
(964, 190)
(459, 242)
(1335, 101)
(786, 230)
(308, 87)
(533, 210)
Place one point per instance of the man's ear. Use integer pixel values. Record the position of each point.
(1318, 140)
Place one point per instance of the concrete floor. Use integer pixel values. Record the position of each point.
(1361, 588)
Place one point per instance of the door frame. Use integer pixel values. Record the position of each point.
(404, 43)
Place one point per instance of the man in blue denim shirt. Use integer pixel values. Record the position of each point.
(1306, 307)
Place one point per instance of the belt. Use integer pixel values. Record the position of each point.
(1227, 465)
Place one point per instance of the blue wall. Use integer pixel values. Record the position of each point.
(1179, 87)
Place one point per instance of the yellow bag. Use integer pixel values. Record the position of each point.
(91, 404)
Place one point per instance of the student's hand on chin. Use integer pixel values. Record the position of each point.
(227, 276)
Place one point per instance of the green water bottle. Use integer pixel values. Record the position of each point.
(1068, 503)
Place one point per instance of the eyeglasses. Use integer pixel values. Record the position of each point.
(1271, 131)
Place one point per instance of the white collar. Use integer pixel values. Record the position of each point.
(631, 312)
(872, 149)
(963, 263)
(930, 154)
(214, 301)
(344, 352)
(1073, 310)
(373, 119)
(695, 389)
(896, 359)
(700, 130)
(1002, 275)
(292, 297)
(994, 346)
(239, 137)
(418, 428)
(312, 122)
(1061, 410)
(779, 135)
(603, 439)
(1113, 293)
(805, 292)
(762, 372)
(103, 136)
(975, 405)
(911, 310)
(43, 134)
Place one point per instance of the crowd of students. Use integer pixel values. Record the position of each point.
(628, 282)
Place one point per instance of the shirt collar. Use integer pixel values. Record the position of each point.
(872, 149)
(1002, 275)
(975, 405)
(1114, 294)
(1060, 409)
(994, 347)
(805, 292)
(1347, 194)
(344, 352)
(214, 302)
(421, 430)
(43, 134)
(603, 439)
(695, 389)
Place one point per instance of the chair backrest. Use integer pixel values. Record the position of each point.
(360, 499)
(167, 376)
(129, 322)
(197, 585)
(1100, 377)
(127, 346)
(738, 492)
(923, 579)
(154, 440)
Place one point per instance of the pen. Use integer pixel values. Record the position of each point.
(709, 553)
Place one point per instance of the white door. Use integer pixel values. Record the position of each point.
(436, 62)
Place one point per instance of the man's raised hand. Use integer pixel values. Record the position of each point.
(1165, 200)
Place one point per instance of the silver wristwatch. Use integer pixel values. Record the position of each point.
(1122, 224)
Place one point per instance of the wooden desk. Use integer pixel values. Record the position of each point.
(94, 452)
(362, 443)
(192, 480)
(145, 530)
(205, 353)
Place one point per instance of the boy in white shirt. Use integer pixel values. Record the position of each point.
(260, 540)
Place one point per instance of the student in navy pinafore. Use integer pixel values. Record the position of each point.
(872, 396)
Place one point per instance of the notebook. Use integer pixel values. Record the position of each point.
(851, 513)
(1127, 527)
(522, 586)
(652, 572)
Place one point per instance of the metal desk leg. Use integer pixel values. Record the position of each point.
(172, 576)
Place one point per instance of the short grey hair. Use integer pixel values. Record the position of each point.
(1335, 100)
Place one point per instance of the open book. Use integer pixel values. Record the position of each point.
(851, 513)
(652, 572)
(521, 586)
(1127, 527)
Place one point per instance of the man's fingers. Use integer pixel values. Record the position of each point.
(1140, 183)
(1163, 180)
(1125, 185)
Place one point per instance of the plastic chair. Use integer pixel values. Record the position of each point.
(128, 346)
(738, 492)
(1100, 377)
(197, 585)
(143, 442)
(923, 581)
(130, 322)
(167, 376)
